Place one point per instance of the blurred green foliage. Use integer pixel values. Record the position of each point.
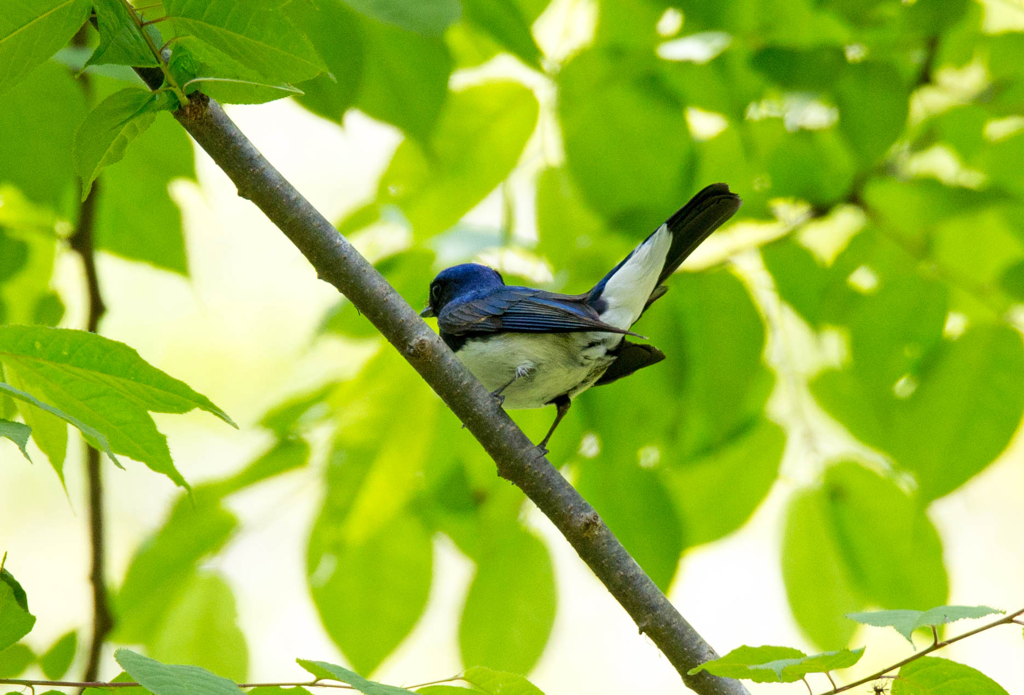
(907, 114)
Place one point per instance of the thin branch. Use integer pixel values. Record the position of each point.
(1005, 620)
(88, 683)
(126, 684)
(82, 242)
(336, 261)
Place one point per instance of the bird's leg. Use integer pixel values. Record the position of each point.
(562, 403)
(522, 370)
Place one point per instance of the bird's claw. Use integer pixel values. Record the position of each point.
(499, 397)
(542, 451)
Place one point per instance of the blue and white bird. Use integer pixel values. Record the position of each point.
(533, 348)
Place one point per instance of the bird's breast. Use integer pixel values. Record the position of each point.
(551, 364)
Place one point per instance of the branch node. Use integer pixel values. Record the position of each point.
(418, 348)
(590, 522)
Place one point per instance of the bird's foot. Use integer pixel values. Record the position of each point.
(498, 396)
(542, 450)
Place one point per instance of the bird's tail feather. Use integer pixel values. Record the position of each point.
(695, 221)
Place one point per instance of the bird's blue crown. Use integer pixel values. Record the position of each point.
(460, 280)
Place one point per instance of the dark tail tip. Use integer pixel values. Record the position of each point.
(695, 221)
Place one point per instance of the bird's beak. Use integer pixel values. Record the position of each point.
(427, 313)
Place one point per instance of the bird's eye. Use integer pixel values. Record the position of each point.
(434, 291)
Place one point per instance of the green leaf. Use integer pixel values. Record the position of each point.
(257, 34)
(717, 492)
(15, 659)
(20, 597)
(888, 543)
(801, 69)
(573, 237)
(934, 676)
(164, 679)
(15, 620)
(510, 608)
(427, 17)
(802, 280)
(57, 659)
(776, 664)
(324, 671)
(299, 413)
(504, 20)
(959, 418)
(404, 78)
(164, 565)
(498, 683)
(442, 690)
(94, 437)
(873, 107)
(630, 499)
(336, 33)
(199, 65)
(815, 166)
(369, 594)
(105, 384)
(106, 132)
(818, 582)
(1012, 281)
(38, 119)
(906, 621)
(286, 455)
(121, 39)
(201, 629)
(627, 144)
(738, 663)
(122, 677)
(18, 433)
(477, 143)
(33, 30)
(136, 218)
(49, 431)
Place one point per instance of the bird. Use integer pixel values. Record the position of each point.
(532, 348)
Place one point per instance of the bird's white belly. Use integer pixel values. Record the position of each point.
(551, 364)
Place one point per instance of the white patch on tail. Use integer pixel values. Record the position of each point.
(630, 287)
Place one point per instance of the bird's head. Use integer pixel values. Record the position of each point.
(457, 280)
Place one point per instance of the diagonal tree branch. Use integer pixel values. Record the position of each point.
(337, 262)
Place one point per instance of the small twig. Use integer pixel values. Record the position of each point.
(1005, 620)
(157, 53)
(82, 242)
(829, 676)
(154, 21)
(809, 689)
(443, 680)
(935, 635)
(167, 43)
(30, 683)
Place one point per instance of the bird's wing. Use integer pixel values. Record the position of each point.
(521, 310)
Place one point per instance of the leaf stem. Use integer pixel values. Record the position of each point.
(1005, 620)
(157, 52)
